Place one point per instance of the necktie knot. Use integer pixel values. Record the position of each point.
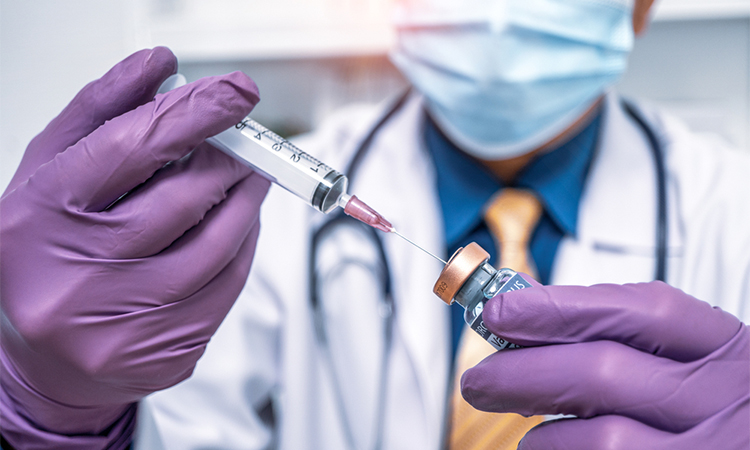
(511, 216)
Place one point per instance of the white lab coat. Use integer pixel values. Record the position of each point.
(266, 350)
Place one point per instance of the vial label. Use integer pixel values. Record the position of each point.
(515, 283)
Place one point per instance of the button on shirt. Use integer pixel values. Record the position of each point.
(464, 186)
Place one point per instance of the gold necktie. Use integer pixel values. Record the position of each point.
(511, 216)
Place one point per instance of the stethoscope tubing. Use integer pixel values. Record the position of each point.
(351, 170)
(661, 190)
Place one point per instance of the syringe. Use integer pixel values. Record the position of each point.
(285, 164)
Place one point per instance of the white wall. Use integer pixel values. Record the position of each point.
(698, 69)
(50, 49)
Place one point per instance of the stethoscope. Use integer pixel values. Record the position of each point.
(382, 269)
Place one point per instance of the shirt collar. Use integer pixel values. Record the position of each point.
(557, 177)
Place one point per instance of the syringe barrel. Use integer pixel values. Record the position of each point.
(283, 163)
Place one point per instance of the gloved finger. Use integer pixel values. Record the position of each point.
(129, 149)
(151, 347)
(174, 200)
(163, 343)
(726, 430)
(653, 317)
(130, 83)
(604, 377)
(185, 327)
(604, 432)
(194, 259)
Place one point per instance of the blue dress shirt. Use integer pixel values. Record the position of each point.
(464, 186)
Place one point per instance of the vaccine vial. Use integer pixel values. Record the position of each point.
(470, 280)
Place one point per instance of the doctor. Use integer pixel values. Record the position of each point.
(105, 301)
(527, 106)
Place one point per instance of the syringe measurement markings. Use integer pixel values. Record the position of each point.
(261, 130)
(283, 147)
(278, 142)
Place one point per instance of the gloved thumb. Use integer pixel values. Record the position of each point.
(652, 317)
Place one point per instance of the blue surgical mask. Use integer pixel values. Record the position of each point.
(503, 77)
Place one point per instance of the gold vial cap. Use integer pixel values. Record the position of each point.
(459, 268)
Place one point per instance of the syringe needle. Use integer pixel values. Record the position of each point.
(360, 211)
(393, 230)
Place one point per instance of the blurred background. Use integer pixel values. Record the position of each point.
(311, 56)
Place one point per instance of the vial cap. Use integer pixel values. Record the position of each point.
(459, 268)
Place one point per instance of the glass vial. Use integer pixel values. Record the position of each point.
(471, 281)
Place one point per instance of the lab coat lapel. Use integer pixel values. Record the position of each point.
(616, 236)
(399, 178)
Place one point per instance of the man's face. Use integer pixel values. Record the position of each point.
(503, 77)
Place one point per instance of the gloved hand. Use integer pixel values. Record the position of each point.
(643, 366)
(106, 298)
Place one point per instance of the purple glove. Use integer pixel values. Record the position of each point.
(103, 300)
(643, 366)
